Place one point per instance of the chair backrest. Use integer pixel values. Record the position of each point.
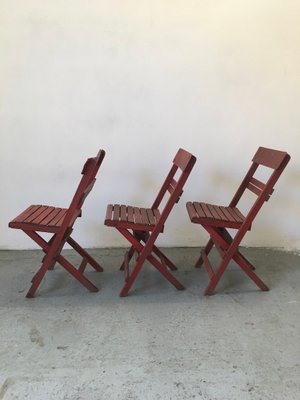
(276, 161)
(89, 172)
(172, 187)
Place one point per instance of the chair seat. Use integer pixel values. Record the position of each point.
(128, 217)
(214, 215)
(40, 218)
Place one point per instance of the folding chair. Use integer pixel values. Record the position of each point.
(218, 219)
(59, 222)
(146, 224)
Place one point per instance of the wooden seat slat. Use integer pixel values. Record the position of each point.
(227, 211)
(35, 215)
(151, 216)
(145, 220)
(130, 214)
(116, 216)
(156, 214)
(199, 210)
(25, 214)
(137, 216)
(42, 216)
(214, 211)
(123, 215)
(240, 215)
(192, 211)
(220, 213)
(51, 215)
(57, 220)
(109, 212)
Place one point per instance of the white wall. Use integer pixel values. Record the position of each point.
(141, 78)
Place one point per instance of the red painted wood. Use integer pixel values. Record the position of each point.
(146, 224)
(130, 215)
(271, 158)
(59, 222)
(218, 219)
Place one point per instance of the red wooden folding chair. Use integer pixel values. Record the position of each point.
(141, 226)
(217, 219)
(59, 223)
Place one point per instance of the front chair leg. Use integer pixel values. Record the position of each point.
(129, 255)
(131, 278)
(206, 250)
(36, 280)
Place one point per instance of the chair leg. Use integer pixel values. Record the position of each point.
(89, 259)
(39, 276)
(144, 254)
(248, 269)
(77, 275)
(217, 276)
(206, 250)
(241, 261)
(164, 271)
(129, 256)
(160, 254)
(131, 278)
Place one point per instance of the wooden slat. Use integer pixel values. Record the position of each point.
(257, 183)
(130, 214)
(39, 215)
(227, 212)
(116, 215)
(213, 211)
(51, 216)
(34, 211)
(123, 213)
(26, 213)
(234, 216)
(254, 189)
(269, 157)
(145, 220)
(109, 212)
(192, 211)
(224, 213)
(156, 214)
(182, 159)
(137, 216)
(172, 186)
(200, 210)
(59, 217)
(206, 210)
(240, 215)
(150, 216)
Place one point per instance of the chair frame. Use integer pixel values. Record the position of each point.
(220, 238)
(142, 235)
(59, 222)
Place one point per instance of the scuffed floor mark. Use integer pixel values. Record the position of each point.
(36, 337)
(7, 383)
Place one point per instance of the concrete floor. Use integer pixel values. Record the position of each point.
(157, 343)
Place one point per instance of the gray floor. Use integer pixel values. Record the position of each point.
(157, 343)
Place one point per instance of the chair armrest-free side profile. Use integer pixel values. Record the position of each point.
(59, 223)
(141, 226)
(216, 220)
